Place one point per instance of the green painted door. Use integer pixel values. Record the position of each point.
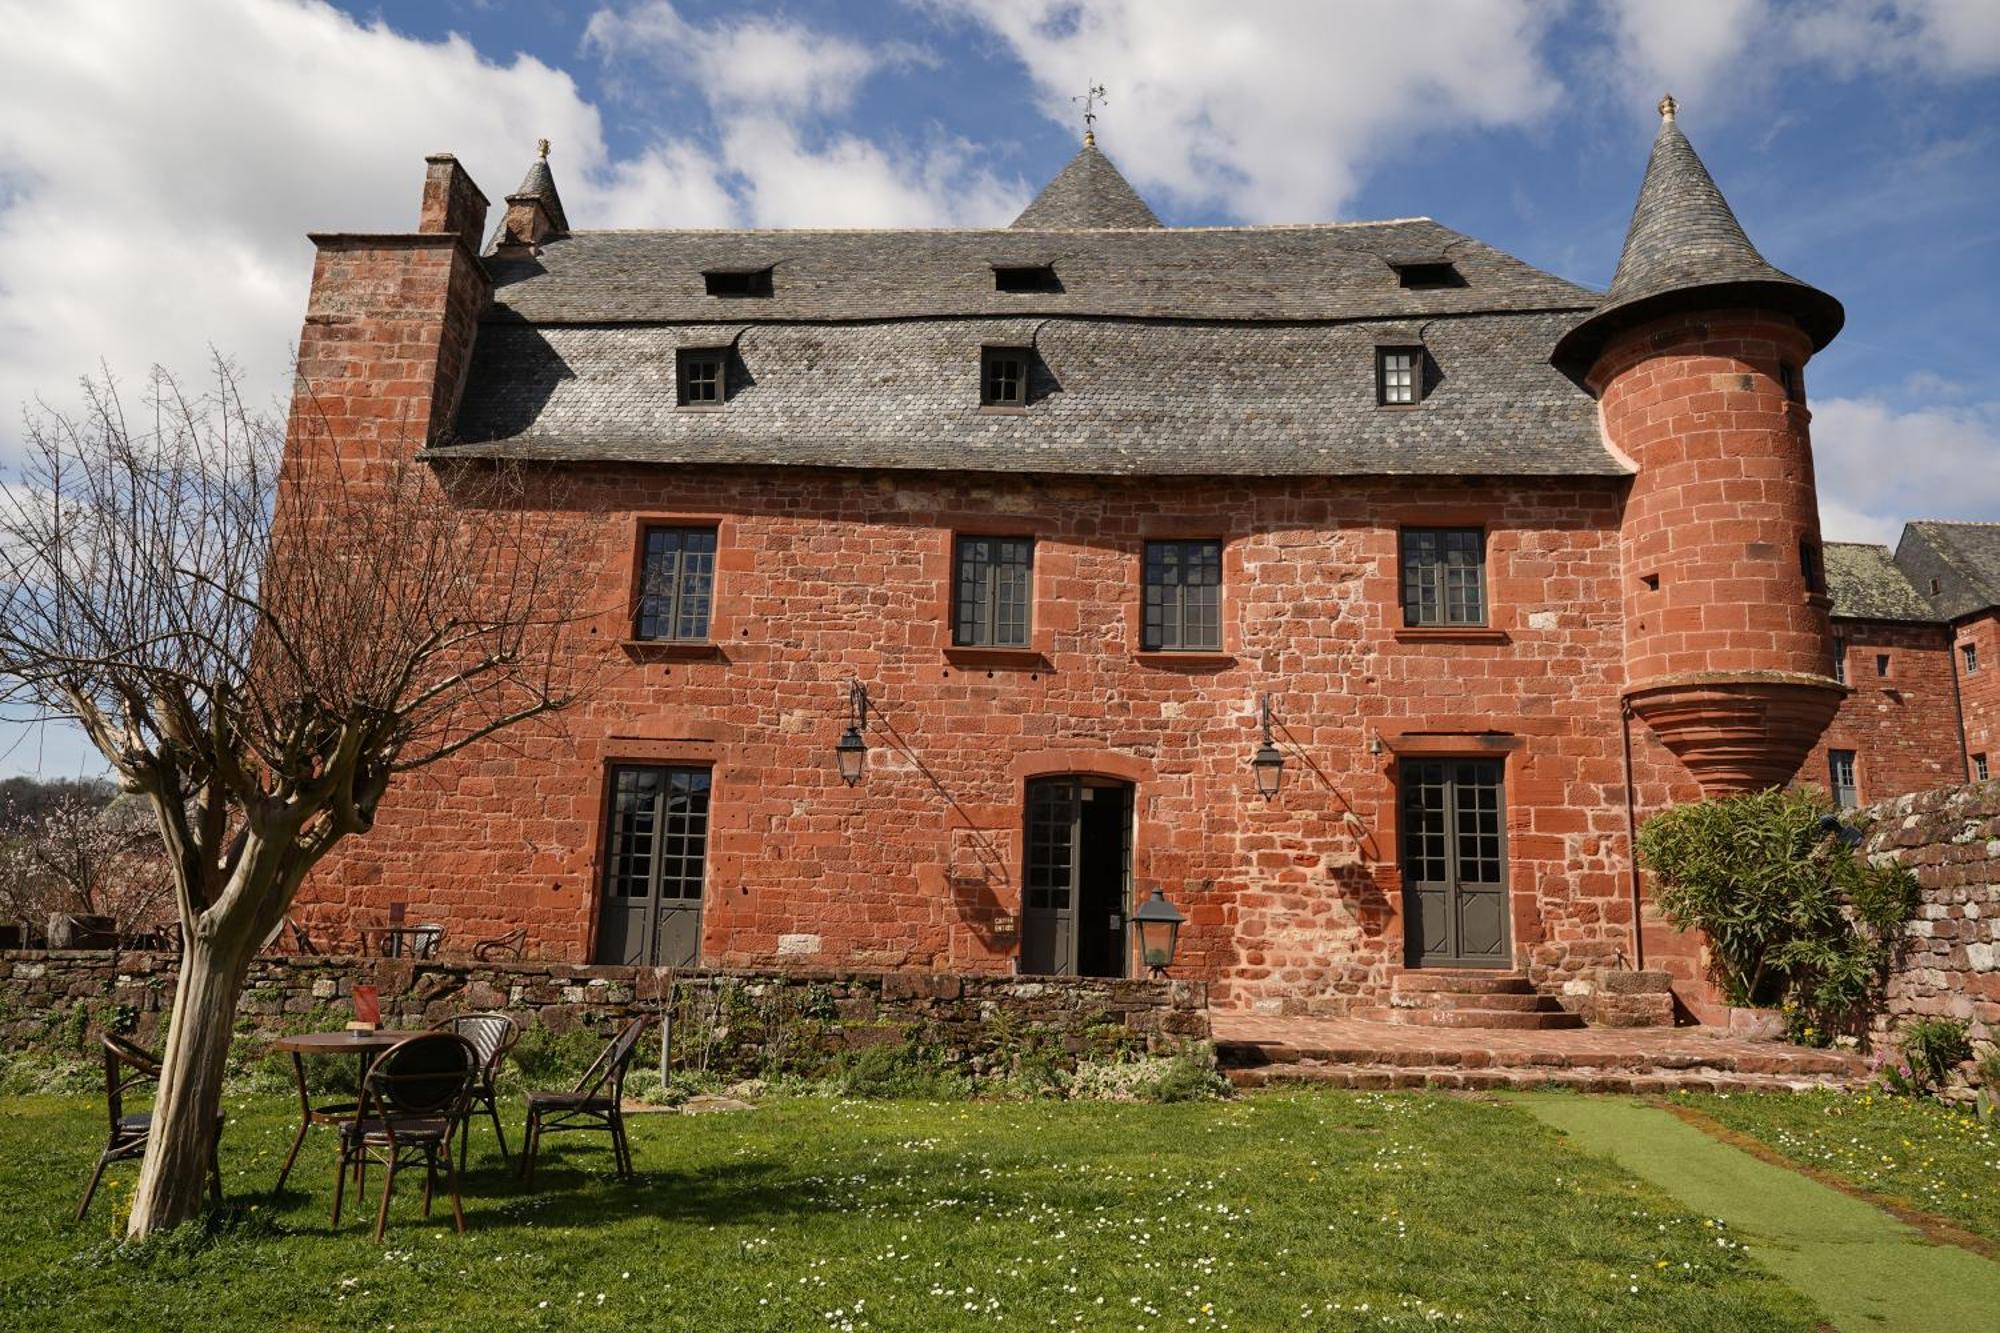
(1454, 853)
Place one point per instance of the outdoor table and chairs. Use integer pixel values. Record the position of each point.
(492, 1037)
(126, 1068)
(413, 1098)
(365, 1046)
(404, 941)
(597, 1102)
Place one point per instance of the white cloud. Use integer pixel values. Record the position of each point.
(1694, 51)
(1274, 109)
(1941, 38)
(1878, 466)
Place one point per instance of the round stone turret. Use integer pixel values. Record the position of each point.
(1697, 356)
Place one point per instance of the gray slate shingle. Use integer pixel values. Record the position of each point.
(1088, 192)
(1964, 558)
(1866, 585)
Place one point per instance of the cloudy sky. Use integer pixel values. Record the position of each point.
(160, 164)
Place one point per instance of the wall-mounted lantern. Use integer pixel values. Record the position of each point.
(1159, 927)
(850, 752)
(1268, 763)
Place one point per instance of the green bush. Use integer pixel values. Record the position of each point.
(1187, 1077)
(900, 1069)
(1932, 1048)
(1793, 917)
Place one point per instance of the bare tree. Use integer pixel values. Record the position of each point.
(261, 641)
(83, 853)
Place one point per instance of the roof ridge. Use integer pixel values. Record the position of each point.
(1002, 230)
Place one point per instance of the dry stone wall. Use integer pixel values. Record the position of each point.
(1950, 839)
(731, 1022)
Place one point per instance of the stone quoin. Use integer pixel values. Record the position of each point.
(1516, 564)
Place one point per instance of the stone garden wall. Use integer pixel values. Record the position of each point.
(726, 1022)
(1951, 839)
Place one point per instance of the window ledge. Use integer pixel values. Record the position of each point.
(1213, 661)
(1024, 659)
(1003, 409)
(672, 650)
(1452, 634)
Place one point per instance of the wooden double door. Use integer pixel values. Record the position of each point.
(655, 865)
(1077, 880)
(1454, 854)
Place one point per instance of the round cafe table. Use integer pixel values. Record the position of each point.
(364, 1046)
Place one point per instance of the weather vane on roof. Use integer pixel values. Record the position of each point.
(1092, 98)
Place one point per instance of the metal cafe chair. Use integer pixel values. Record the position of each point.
(595, 1103)
(412, 1101)
(508, 946)
(126, 1068)
(492, 1036)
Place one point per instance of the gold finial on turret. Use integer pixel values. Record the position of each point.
(1668, 106)
(542, 147)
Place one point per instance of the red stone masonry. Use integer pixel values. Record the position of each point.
(1902, 727)
(1979, 691)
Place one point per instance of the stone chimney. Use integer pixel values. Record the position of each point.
(453, 205)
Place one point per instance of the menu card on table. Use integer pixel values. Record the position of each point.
(367, 1009)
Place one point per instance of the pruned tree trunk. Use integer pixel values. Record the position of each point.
(173, 1178)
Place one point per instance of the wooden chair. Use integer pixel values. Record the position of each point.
(492, 1036)
(508, 946)
(412, 1101)
(127, 1067)
(595, 1103)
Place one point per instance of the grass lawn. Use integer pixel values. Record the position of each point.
(1276, 1211)
(1917, 1153)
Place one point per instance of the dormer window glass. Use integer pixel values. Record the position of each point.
(1025, 278)
(737, 282)
(703, 376)
(1003, 376)
(1399, 376)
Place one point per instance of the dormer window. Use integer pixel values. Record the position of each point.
(737, 282)
(1399, 376)
(1026, 278)
(1419, 275)
(703, 376)
(1003, 376)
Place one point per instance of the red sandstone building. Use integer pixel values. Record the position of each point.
(1044, 515)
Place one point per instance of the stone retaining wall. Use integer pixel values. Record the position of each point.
(727, 1022)
(1950, 839)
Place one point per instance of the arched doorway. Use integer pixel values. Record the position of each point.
(1076, 886)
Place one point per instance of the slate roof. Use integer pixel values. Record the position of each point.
(1964, 558)
(1168, 351)
(1685, 249)
(1108, 398)
(541, 183)
(1866, 585)
(1089, 192)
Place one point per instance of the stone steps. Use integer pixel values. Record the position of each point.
(1782, 1062)
(1467, 998)
(1645, 1083)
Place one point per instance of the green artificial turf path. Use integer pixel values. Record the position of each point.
(1859, 1264)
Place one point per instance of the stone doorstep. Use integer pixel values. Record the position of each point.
(1362, 1077)
(1526, 1002)
(1428, 1016)
(1464, 982)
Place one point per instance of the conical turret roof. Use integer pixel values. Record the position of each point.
(540, 183)
(1089, 194)
(1686, 250)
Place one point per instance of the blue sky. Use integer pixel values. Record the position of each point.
(162, 163)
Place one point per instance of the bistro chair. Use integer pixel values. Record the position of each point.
(508, 946)
(424, 941)
(127, 1067)
(595, 1103)
(412, 1100)
(492, 1036)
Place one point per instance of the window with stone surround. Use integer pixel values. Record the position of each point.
(1444, 577)
(1968, 656)
(1182, 610)
(1840, 660)
(1882, 664)
(703, 376)
(676, 585)
(1840, 778)
(1979, 772)
(993, 584)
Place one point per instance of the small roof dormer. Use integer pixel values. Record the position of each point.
(1089, 194)
(1685, 250)
(535, 211)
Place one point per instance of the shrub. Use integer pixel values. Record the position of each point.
(1187, 1077)
(900, 1069)
(1932, 1048)
(1792, 916)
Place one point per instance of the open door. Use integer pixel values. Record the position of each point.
(1077, 886)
